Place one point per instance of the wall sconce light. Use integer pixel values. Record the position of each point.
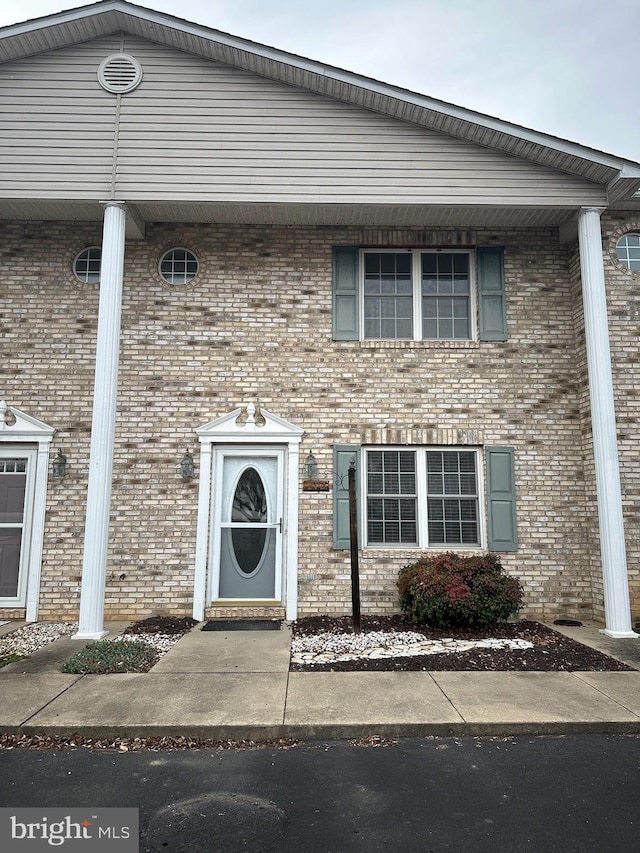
(310, 467)
(186, 465)
(59, 464)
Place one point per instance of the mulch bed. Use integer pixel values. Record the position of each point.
(162, 625)
(551, 652)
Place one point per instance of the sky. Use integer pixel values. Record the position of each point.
(570, 68)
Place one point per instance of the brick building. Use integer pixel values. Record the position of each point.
(216, 251)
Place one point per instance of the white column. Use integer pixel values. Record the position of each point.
(291, 592)
(96, 536)
(605, 446)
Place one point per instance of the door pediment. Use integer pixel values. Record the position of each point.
(18, 426)
(250, 425)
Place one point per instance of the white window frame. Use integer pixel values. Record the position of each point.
(421, 491)
(416, 276)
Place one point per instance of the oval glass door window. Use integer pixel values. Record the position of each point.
(249, 507)
(249, 499)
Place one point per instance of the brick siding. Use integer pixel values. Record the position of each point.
(256, 326)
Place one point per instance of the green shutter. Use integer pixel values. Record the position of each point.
(345, 293)
(501, 499)
(491, 293)
(342, 456)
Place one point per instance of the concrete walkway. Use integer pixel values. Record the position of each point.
(237, 685)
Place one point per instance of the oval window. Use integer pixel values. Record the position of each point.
(249, 507)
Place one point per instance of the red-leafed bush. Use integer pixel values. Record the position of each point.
(449, 590)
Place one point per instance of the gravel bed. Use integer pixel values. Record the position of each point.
(375, 645)
(539, 648)
(29, 638)
(32, 637)
(161, 642)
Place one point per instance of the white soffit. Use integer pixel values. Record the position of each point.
(110, 16)
(356, 215)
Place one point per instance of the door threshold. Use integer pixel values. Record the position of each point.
(245, 610)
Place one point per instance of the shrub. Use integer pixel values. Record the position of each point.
(449, 590)
(109, 656)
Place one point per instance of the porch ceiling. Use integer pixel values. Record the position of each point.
(360, 215)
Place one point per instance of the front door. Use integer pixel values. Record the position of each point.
(16, 494)
(248, 524)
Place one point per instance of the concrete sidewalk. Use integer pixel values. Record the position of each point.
(237, 685)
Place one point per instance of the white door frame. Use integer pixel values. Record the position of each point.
(245, 431)
(26, 430)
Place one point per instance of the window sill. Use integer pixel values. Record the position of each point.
(462, 345)
(393, 549)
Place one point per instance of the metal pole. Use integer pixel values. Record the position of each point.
(353, 535)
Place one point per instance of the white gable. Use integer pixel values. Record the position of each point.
(250, 425)
(17, 426)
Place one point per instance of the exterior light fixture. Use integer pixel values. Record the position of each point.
(310, 467)
(186, 465)
(59, 464)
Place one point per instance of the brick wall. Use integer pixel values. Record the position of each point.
(256, 326)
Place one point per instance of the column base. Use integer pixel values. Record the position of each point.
(620, 635)
(83, 635)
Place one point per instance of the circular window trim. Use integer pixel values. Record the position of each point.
(84, 278)
(631, 226)
(119, 73)
(179, 285)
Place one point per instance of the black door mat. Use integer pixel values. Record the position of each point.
(242, 625)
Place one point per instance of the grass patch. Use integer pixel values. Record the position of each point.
(111, 656)
(7, 659)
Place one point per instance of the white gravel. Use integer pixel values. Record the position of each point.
(330, 648)
(161, 642)
(31, 637)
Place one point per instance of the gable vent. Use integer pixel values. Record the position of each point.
(119, 73)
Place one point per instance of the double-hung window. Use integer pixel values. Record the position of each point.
(417, 295)
(422, 497)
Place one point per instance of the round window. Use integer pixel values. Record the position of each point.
(86, 265)
(178, 266)
(628, 251)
